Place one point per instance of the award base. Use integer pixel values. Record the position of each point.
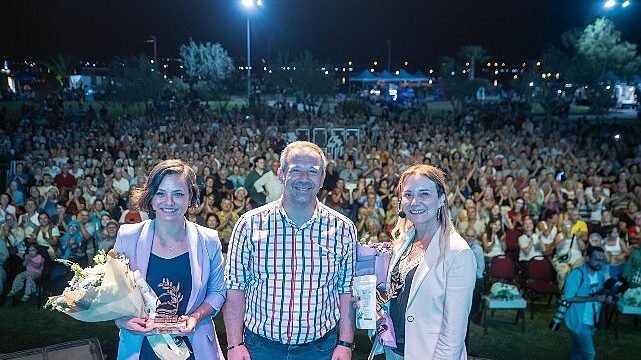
(166, 323)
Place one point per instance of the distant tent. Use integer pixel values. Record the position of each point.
(365, 76)
(386, 76)
(403, 75)
(420, 76)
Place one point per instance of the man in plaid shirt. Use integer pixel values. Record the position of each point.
(289, 271)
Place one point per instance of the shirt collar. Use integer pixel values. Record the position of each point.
(315, 216)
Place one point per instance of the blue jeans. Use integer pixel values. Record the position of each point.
(582, 345)
(265, 349)
(616, 271)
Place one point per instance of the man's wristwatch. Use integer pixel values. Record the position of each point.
(349, 345)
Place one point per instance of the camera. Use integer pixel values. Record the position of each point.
(557, 320)
(612, 287)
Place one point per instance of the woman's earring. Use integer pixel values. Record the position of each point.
(438, 214)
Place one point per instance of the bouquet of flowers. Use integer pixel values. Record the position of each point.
(373, 259)
(372, 264)
(504, 291)
(110, 290)
(632, 297)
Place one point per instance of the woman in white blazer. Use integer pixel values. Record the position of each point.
(432, 272)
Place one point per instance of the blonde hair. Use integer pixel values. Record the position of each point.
(403, 225)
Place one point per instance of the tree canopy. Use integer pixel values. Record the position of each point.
(208, 67)
(135, 79)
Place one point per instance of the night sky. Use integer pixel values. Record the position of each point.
(333, 30)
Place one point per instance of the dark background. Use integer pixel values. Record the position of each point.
(334, 31)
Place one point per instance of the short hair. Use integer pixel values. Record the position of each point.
(607, 230)
(258, 158)
(141, 196)
(593, 249)
(299, 145)
(548, 214)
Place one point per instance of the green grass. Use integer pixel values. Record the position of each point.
(25, 326)
(115, 108)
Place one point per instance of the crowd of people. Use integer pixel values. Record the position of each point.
(556, 190)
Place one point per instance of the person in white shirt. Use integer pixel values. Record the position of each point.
(529, 242)
(51, 168)
(121, 185)
(547, 230)
(5, 207)
(76, 170)
(269, 184)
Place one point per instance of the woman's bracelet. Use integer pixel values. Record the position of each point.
(235, 346)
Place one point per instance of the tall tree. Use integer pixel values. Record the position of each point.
(208, 67)
(598, 55)
(135, 79)
(473, 54)
(456, 85)
(304, 75)
(601, 44)
(61, 65)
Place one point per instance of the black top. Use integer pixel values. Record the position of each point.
(171, 281)
(398, 306)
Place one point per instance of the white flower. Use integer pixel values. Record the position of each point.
(83, 279)
(504, 291)
(632, 297)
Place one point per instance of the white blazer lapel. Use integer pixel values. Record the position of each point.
(197, 261)
(425, 267)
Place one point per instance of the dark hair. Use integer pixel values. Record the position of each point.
(488, 228)
(142, 196)
(593, 249)
(214, 216)
(548, 214)
(258, 158)
(607, 230)
(8, 196)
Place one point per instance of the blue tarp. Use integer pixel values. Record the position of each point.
(387, 76)
(365, 76)
(420, 76)
(403, 75)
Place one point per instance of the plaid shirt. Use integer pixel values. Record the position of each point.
(292, 276)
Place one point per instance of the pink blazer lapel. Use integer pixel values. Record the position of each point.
(198, 263)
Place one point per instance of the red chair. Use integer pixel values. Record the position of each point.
(502, 270)
(512, 248)
(541, 280)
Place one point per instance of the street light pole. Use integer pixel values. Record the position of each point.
(249, 71)
(152, 39)
(249, 5)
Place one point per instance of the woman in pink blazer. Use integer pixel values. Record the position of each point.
(181, 262)
(432, 273)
